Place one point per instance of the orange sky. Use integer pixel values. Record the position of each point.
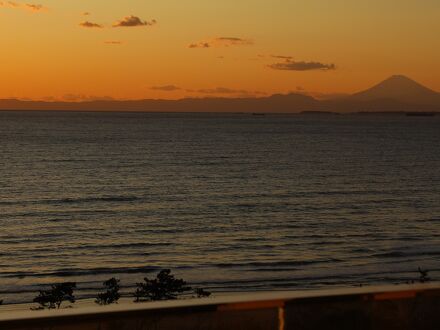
(130, 49)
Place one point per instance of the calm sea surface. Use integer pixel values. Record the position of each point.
(228, 202)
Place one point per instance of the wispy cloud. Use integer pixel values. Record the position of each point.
(233, 41)
(85, 98)
(113, 42)
(291, 65)
(10, 4)
(319, 95)
(283, 57)
(35, 7)
(166, 88)
(221, 42)
(217, 91)
(91, 25)
(225, 91)
(132, 21)
(201, 44)
(25, 6)
(222, 90)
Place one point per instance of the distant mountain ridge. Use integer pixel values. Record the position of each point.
(280, 102)
(399, 88)
(395, 94)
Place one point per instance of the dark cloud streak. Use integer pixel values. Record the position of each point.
(90, 25)
(34, 7)
(113, 42)
(27, 6)
(200, 45)
(221, 42)
(132, 21)
(227, 91)
(291, 65)
(222, 90)
(166, 88)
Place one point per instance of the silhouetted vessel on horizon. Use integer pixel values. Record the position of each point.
(420, 114)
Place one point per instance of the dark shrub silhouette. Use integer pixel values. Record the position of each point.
(111, 295)
(54, 297)
(163, 287)
(201, 293)
(423, 276)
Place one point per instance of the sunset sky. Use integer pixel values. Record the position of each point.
(130, 49)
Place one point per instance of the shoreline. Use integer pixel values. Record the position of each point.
(413, 113)
(128, 302)
(281, 310)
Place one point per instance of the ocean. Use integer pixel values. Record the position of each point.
(229, 202)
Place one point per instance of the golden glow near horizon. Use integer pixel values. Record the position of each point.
(124, 49)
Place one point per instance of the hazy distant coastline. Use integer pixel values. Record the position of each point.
(396, 94)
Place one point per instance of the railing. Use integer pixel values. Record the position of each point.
(402, 307)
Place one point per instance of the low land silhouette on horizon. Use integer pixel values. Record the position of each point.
(395, 94)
